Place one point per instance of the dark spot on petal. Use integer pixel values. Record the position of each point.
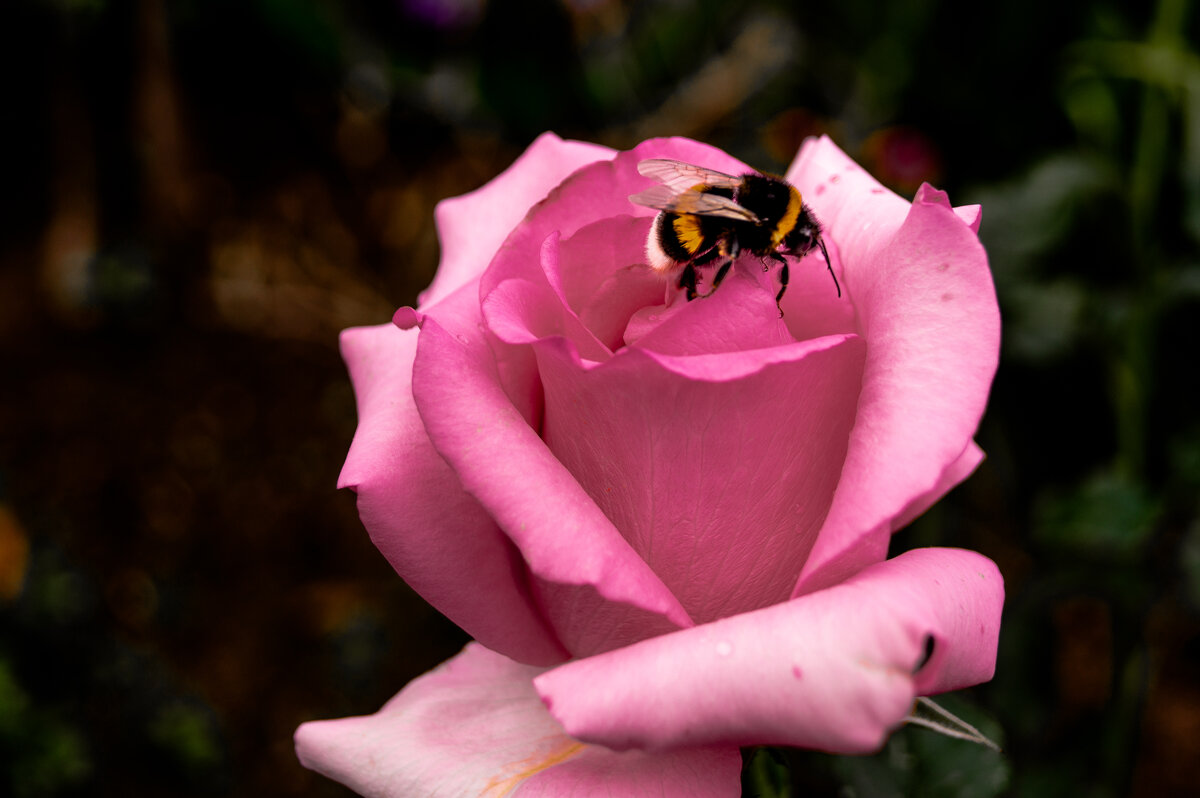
(928, 655)
(947, 297)
(796, 672)
(876, 191)
(943, 267)
(820, 190)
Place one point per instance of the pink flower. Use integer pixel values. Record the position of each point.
(666, 523)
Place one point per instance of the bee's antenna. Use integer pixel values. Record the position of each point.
(825, 252)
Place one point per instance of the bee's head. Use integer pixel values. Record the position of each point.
(803, 236)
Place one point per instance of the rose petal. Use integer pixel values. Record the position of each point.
(740, 316)
(437, 537)
(927, 308)
(519, 311)
(854, 209)
(971, 215)
(472, 227)
(718, 470)
(596, 252)
(563, 536)
(955, 473)
(605, 277)
(832, 670)
(475, 726)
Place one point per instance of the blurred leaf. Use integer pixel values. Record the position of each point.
(54, 758)
(1185, 459)
(14, 703)
(1189, 557)
(314, 26)
(918, 761)
(1032, 214)
(1184, 282)
(888, 774)
(1092, 107)
(1046, 320)
(41, 753)
(1108, 515)
(767, 776)
(1190, 166)
(188, 734)
(57, 594)
(1166, 67)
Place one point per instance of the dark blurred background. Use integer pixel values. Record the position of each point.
(198, 194)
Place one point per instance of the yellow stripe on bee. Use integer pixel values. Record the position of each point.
(788, 220)
(687, 230)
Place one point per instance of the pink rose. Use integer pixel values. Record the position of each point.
(666, 522)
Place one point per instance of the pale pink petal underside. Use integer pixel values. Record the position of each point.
(475, 727)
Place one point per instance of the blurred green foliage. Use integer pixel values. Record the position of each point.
(200, 194)
(914, 761)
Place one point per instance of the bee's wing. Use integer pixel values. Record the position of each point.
(664, 198)
(681, 176)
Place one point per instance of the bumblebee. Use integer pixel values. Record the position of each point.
(707, 218)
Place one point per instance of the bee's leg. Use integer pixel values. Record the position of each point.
(829, 265)
(703, 260)
(717, 278)
(784, 276)
(687, 280)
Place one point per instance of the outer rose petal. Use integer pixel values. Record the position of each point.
(927, 308)
(596, 591)
(955, 473)
(831, 670)
(437, 537)
(475, 727)
(472, 227)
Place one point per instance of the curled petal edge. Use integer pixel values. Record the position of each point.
(835, 670)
